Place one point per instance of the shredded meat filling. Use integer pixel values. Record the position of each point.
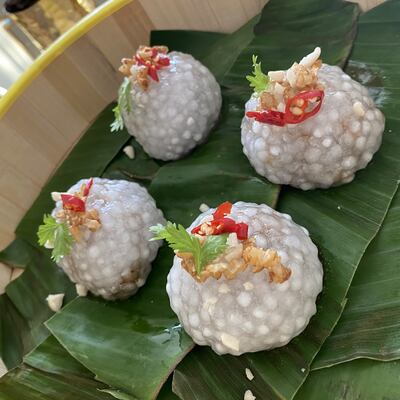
(236, 259)
(76, 220)
(149, 57)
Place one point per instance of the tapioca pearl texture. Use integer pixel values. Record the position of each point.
(177, 113)
(325, 150)
(114, 261)
(250, 313)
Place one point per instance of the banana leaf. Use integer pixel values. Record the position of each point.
(13, 330)
(88, 158)
(355, 380)
(210, 175)
(216, 51)
(288, 30)
(23, 308)
(353, 213)
(50, 373)
(94, 341)
(17, 254)
(144, 327)
(141, 169)
(196, 43)
(211, 165)
(141, 334)
(143, 330)
(370, 324)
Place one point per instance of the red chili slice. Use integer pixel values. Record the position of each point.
(242, 231)
(228, 225)
(278, 118)
(88, 186)
(222, 210)
(154, 52)
(163, 61)
(220, 224)
(291, 118)
(73, 203)
(140, 60)
(223, 225)
(153, 66)
(152, 71)
(271, 117)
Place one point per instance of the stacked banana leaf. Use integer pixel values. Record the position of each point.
(135, 349)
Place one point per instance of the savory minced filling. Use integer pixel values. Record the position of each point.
(145, 64)
(221, 247)
(59, 233)
(237, 258)
(288, 97)
(139, 69)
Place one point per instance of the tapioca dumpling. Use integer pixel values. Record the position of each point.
(321, 146)
(258, 292)
(101, 235)
(169, 101)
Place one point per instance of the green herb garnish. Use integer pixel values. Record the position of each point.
(56, 234)
(124, 103)
(259, 81)
(182, 241)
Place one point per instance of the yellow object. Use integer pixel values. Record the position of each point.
(56, 49)
(46, 20)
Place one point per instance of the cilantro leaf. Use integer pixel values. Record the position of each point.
(124, 103)
(118, 123)
(259, 81)
(212, 248)
(57, 235)
(182, 241)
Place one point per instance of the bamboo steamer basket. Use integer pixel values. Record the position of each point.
(53, 103)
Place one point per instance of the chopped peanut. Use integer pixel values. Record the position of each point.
(267, 101)
(145, 60)
(126, 66)
(236, 259)
(76, 219)
(283, 85)
(266, 259)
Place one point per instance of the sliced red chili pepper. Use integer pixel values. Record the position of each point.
(163, 61)
(155, 63)
(73, 203)
(222, 210)
(196, 230)
(88, 186)
(291, 118)
(242, 231)
(223, 225)
(271, 117)
(220, 224)
(278, 118)
(140, 60)
(215, 227)
(153, 73)
(154, 52)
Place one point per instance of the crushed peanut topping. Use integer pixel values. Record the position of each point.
(78, 218)
(236, 259)
(146, 62)
(75, 220)
(285, 85)
(286, 98)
